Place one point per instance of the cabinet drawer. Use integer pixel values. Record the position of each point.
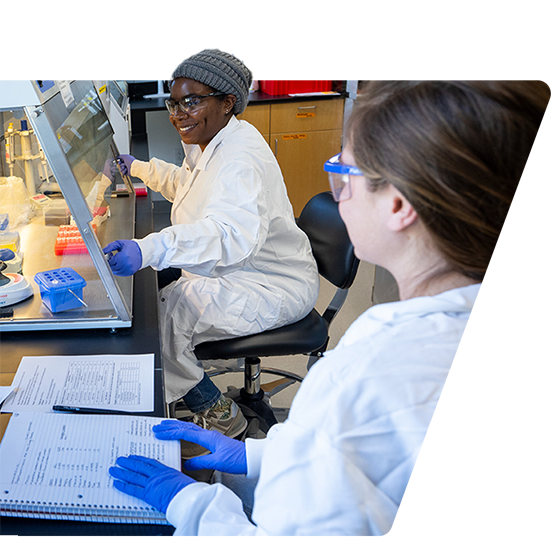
(258, 116)
(307, 116)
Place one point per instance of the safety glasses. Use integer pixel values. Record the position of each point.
(339, 177)
(192, 102)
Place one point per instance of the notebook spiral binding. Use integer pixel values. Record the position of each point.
(97, 512)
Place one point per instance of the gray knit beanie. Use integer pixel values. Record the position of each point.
(221, 71)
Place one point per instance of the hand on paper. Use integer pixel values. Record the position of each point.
(227, 454)
(127, 260)
(149, 480)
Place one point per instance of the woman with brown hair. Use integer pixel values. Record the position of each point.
(424, 184)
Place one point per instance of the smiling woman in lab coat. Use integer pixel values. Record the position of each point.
(243, 264)
(424, 184)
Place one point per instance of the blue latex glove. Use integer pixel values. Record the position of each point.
(149, 480)
(125, 161)
(127, 260)
(227, 454)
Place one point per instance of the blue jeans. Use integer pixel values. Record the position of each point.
(202, 396)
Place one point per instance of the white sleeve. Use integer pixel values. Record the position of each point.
(208, 510)
(229, 231)
(310, 487)
(255, 450)
(158, 175)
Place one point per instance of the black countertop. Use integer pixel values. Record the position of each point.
(141, 338)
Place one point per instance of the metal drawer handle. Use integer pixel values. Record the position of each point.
(303, 108)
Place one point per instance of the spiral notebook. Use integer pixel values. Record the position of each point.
(56, 466)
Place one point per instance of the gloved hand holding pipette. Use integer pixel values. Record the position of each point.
(125, 161)
(127, 260)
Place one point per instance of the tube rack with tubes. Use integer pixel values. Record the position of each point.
(69, 241)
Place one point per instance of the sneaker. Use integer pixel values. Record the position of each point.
(225, 417)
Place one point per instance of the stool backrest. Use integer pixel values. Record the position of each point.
(331, 246)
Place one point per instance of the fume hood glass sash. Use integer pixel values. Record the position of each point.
(59, 160)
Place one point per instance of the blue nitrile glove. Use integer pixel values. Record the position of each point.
(127, 261)
(227, 454)
(125, 161)
(110, 169)
(149, 480)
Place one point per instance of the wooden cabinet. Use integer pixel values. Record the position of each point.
(302, 135)
(307, 115)
(301, 159)
(259, 117)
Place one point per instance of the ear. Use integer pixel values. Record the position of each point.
(402, 215)
(229, 102)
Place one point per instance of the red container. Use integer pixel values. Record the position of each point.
(285, 87)
(69, 241)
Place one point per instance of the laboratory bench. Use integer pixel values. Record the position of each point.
(141, 338)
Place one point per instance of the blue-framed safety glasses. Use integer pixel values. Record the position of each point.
(339, 177)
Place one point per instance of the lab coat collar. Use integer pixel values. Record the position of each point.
(198, 160)
(518, 294)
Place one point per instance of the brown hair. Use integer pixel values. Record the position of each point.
(455, 150)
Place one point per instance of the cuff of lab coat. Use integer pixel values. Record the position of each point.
(183, 501)
(148, 247)
(139, 169)
(204, 509)
(254, 449)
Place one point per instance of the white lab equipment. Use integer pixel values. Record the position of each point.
(57, 168)
(114, 97)
(13, 286)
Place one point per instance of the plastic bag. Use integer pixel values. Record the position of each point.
(14, 200)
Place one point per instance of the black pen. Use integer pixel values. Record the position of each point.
(89, 410)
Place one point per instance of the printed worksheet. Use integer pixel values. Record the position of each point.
(114, 382)
(59, 464)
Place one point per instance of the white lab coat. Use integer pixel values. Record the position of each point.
(340, 463)
(246, 266)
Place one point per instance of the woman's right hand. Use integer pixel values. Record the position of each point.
(226, 454)
(125, 161)
(128, 259)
